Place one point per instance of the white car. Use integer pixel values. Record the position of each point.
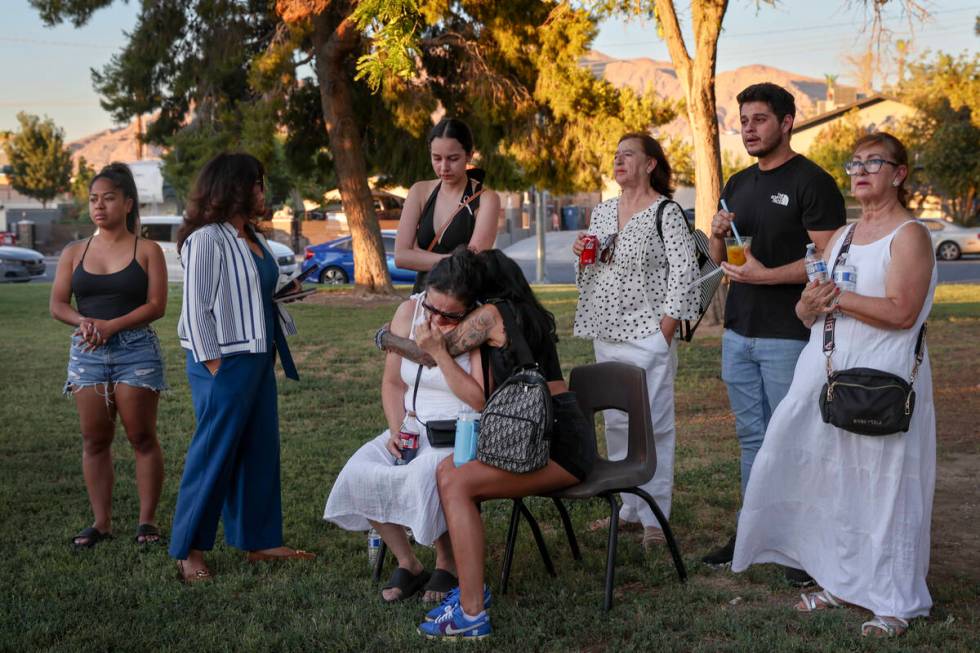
(951, 240)
(163, 229)
(20, 263)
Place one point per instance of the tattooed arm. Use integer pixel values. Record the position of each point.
(480, 326)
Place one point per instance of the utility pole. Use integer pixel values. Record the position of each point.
(540, 199)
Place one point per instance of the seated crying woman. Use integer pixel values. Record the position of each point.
(372, 490)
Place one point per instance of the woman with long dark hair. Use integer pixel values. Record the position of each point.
(232, 328)
(373, 490)
(511, 313)
(452, 210)
(631, 302)
(119, 282)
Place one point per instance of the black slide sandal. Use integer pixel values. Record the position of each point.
(442, 582)
(402, 579)
(150, 534)
(92, 536)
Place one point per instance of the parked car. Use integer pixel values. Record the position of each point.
(951, 240)
(163, 229)
(20, 263)
(334, 260)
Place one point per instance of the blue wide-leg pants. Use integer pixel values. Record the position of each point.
(232, 465)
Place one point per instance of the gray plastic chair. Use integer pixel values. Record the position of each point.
(601, 386)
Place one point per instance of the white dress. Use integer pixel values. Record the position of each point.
(371, 486)
(853, 511)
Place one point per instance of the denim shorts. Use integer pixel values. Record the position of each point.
(132, 357)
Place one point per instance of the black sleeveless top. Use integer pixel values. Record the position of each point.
(108, 296)
(460, 229)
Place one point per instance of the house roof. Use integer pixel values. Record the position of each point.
(833, 114)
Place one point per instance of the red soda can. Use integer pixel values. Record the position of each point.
(590, 247)
(408, 444)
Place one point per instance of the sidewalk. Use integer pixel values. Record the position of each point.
(559, 260)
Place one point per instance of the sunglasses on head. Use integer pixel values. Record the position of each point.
(451, 317)
(607, 248)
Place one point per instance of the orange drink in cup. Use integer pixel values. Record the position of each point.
(736, 251)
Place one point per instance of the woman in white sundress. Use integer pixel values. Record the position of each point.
(371, 490)
(852, 510)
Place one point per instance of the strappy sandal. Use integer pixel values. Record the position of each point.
(406, 582)
(197, 577)
(150, 534)
(884, 627)
(91, 535)
(441, 582)
(814, 601)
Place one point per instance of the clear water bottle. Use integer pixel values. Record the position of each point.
(467, 430)
(408, 438)
(816, 268)
(845, 275)
(374, 547)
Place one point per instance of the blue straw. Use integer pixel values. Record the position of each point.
(738, 238)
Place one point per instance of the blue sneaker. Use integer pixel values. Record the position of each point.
(454, 625)
(452, 599)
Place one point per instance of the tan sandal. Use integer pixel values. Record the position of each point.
(603, 525)
(884, 627)
(814, 601)
(653, 536)
(197, 577)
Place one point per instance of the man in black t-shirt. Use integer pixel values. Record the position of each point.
(782, 202)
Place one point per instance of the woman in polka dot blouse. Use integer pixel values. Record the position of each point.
(631, 301)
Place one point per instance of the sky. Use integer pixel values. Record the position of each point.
(46, 70)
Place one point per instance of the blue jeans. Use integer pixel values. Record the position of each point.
(758, 373)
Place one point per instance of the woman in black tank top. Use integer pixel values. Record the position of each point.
(119, 282)
(454, 209)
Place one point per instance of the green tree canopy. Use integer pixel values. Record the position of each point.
(39, 163)
(84, 173)
(943, 137)
(833, 147)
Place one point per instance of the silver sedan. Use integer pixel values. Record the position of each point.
(20, 264)
(951, 240)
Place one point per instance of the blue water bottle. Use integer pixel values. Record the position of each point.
(467, 429)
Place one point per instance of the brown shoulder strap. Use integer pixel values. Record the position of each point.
(462, 205)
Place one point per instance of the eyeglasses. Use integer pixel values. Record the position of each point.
(871, 166)
(450, 317)
(607, 248)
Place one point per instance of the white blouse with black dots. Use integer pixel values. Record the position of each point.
(625, 299)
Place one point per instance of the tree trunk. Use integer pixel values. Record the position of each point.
(335, 39)
(697, 77)
(139, 136)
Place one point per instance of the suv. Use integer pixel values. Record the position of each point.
(163, 230)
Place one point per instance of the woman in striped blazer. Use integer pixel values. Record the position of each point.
(231, 329)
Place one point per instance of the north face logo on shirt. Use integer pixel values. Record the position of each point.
(780, 198)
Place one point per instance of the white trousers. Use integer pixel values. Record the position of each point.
(659, 362)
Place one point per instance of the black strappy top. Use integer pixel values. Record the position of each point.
(459, 231)
(108, 296)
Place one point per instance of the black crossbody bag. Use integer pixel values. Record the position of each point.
(864, 400)
(441, 432)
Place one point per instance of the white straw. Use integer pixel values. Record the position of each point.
(738, 238)
(697, 282)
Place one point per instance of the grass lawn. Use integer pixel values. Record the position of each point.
(118, 597)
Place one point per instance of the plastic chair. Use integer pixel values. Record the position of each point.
(600, 386)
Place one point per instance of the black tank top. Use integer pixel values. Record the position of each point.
(108, 296)
(459, 231)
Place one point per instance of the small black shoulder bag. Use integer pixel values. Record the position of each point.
(863, 400)
(441, 432)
